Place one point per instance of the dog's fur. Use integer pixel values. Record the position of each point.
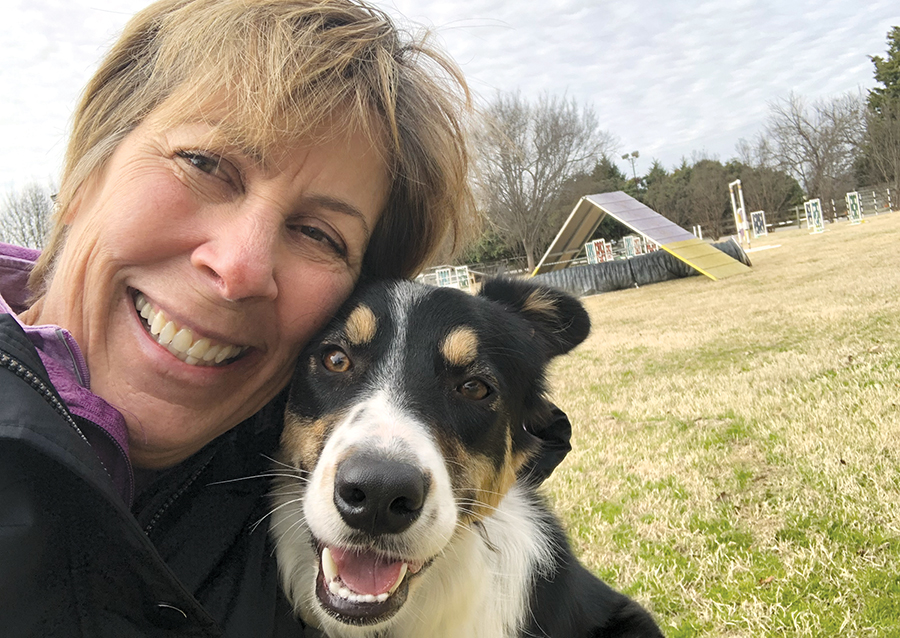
(436, 391)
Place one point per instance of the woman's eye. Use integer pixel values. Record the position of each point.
(212, 165)
(474, 389)
(336, 360)
(318, 235)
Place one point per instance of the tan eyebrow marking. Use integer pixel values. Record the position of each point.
(460, 347)
(361, 325)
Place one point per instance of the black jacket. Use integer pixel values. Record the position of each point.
(191, 557)
(75, 561)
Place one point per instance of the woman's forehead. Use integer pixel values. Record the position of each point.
(263, 136)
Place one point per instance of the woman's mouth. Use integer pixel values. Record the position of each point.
(181, 342)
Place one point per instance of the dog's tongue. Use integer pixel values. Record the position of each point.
(366, 572)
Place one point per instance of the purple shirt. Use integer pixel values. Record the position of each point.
(68, 370)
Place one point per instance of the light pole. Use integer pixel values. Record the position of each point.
(632, 156)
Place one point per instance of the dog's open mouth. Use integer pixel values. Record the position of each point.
(362, 587)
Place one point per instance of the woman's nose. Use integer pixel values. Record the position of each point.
(239, 255)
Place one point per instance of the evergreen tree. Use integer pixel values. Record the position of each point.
(880, 159)
(657, 173)
(887, 72)
(607, 177)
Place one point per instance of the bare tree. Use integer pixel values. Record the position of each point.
(526, 153)
(25, 216)
(817, 144)
(765, 186)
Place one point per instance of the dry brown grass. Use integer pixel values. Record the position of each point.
(737, 443)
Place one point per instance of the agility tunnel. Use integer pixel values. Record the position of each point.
(646, 269)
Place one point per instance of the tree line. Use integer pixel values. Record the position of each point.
(535, 159)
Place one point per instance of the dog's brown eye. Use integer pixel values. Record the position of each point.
(474, 390)
(336, 360)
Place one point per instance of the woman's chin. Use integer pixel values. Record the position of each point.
(172, 406)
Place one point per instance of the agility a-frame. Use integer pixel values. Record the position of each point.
(643, 220)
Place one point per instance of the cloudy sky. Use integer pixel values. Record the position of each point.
(669, 78)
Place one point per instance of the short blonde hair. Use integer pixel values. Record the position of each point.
(286, 68)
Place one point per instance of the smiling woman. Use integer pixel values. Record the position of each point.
(235, 167)
(246, 257)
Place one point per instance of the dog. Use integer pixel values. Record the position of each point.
(403, 507)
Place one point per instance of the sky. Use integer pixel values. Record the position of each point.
(670, 79)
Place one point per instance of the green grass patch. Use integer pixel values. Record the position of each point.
(735, 462)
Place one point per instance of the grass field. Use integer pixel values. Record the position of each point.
(736, 461)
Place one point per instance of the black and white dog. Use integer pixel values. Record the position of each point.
(407, 424)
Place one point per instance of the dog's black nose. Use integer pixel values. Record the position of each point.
(378, 495)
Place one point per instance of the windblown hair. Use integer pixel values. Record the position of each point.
(284, 70)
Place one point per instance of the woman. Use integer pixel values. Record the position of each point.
(235, 166)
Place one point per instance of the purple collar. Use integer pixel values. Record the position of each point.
(67, 368)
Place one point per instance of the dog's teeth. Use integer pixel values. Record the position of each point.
(332, 579)
(329, 567)
(399, 580)
(353, 597)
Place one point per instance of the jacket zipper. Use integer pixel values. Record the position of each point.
(24, 372)
(174, 497)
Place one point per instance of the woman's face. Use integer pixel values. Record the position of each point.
(235, 260)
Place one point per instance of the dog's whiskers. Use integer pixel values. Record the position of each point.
(264, 475)
(282, 463)
(294, 501)
(238, 479)
(462, 503)
(296, 528)
(287, 487)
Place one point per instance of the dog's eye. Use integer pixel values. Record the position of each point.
(474, 389)
(336, 360)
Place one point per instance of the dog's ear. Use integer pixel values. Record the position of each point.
(559, 318)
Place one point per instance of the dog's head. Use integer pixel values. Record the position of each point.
(409, 417)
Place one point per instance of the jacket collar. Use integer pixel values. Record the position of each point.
(64, 366)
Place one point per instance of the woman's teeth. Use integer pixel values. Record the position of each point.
(180, 341)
